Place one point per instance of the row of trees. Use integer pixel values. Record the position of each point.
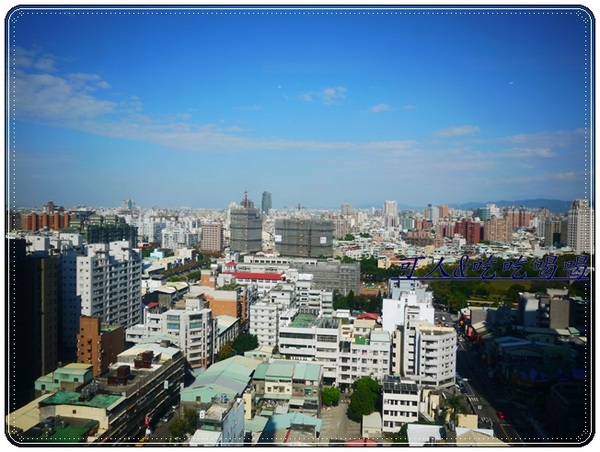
(361, 302)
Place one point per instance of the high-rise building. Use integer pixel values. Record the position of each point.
(109, 283)
(487, 212)
(389, 214)
(496, 230)
(554, 229)
(304, 237)
(347, 209)
(444, 212)
(432, 214)
(178, 237)
(212, 238)
(266, 204)
(245, 228)
(470, 230)
(33, 338)
(580, 221)
(519, 218)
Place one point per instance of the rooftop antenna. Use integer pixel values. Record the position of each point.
(246, 199)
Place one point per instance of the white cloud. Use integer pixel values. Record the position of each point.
(54, 99)
(249, 107)
(456, 131)
(379, 108)
(87, 81)
(21, 58)
(329, 96)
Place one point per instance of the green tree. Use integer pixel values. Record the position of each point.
(330, 395)
(513, 292)
(178, 429)
(225, 352)
(366, 397)
(191, 419)
(455, 406)
(244, 342)
(362, 402)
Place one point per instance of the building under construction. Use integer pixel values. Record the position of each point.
(245, 228)
(304, 237)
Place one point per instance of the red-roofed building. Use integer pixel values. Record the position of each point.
(368, 316)
(230, 267)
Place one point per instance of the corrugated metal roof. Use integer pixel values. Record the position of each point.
(281, 369)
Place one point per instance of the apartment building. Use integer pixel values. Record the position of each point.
(400, 403)
(179, 237)
(421, 351)
(211, 237)
(365, 350)
(193, 330)
(195, 334)
(109, 283)
(33, 337)
(346, 351)
(264, 322)
(580, 223)
(99, 344)
(497, 229)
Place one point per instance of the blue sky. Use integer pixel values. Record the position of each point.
(192, 107)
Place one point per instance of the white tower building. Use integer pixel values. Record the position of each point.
(109, 283)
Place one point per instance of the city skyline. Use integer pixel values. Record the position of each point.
(318, 106)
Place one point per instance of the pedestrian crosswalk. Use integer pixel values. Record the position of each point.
(485, 420)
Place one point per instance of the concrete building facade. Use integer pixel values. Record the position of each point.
(109, 283)
(580, 222)
(99, 345)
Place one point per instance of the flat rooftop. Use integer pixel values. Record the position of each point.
(73, 398)
(304, 321)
